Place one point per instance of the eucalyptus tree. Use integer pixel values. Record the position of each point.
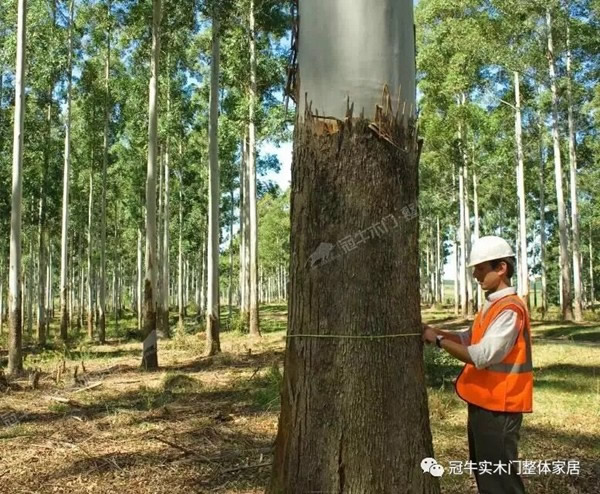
(15, 357)
(150, 349)
(354, 133)
(64, 311)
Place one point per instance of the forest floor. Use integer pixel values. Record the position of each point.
(208, 424)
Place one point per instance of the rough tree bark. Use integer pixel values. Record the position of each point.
(354, 415)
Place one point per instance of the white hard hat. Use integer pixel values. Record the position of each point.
(489, 248)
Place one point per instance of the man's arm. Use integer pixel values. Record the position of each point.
(457, 350)
(450, 343)
(456, 337)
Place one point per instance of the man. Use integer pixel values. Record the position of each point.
(497, 379)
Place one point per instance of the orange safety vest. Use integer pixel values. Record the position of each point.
(508, 385)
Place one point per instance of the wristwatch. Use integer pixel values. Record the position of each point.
(438, 340)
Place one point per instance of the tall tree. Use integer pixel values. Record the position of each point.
(102, 294)
(521, 191)
(577, 284)
(150, 349)
(254, 321)
(15, 357)
(213, 344)
(566, 308)
(342, 427)
(64, 244)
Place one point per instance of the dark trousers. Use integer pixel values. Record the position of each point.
(494, 438)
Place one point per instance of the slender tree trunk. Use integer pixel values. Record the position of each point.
(150, 350)
(466, 210)
(102, 298)
(567, 311)
(463, 251)
(578, 308)
(159, 250)
(213, 344)
(116, 272)
(30, 289)
(254, 319)
(198, 295)
(439, 265)
(592, 291)
(203, 288)
(41, 325)
(1, 297)
(81, 303)
(50, 293)
(230, 294)
(166, 223)
(180, 312)
(15, 357)
(521, 193)
(477, 233)
(2, 274)
(64, 244)
(243, 194)
(90, 310)
(543, 294)
(140, 295)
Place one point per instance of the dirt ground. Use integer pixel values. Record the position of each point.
(207, 425)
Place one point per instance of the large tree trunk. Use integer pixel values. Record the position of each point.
(150, 350)
(566, 309)
(521, 193)
(15, 357)
(64, 244)
(102, 294)
(578, 307)
(350, 406)
(213, 344)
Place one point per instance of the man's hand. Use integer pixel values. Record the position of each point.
(429, 334)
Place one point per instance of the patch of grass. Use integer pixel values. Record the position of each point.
(440, 367)
(61, 408)
(265, 389)
(179, 383)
